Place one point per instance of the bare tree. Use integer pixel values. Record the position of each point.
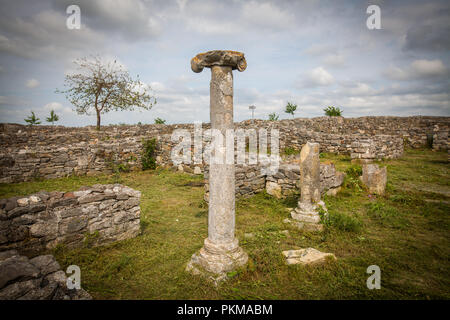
(103, 87)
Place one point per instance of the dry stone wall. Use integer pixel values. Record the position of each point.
(92, 215)
(55, 151)
(250, 180)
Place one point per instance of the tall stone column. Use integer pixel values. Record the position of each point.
(221, 252)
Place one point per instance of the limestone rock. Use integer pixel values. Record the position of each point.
(16, 267)
(308, 256)
(197, 170)
(249, 236)
(8, 254)
(273, 189)
(47, 264)
(35, 199)
(333, 191)
(374, 178)
(37, 279)
(23, 202)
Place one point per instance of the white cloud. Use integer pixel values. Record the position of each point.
(45, 36)
(59, 109)
(319, 77)
(319, 49)
(396, 73)
(281, 40)
(56, 106)
(417, 69)
(32, 83)
(266, 15)
(157, 86)
(361, 89)
(334, 60)
(429, 67)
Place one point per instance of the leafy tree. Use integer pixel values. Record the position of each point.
(290, 108)
(160, 121)
(32, 120)
(273, 116)
(104, 87)
(333, 111)
(53, 117)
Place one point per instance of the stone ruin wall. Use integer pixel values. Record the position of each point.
(251, 180)
(94, 215)
(55, 151)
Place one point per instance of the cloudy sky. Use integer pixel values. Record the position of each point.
(312, 53)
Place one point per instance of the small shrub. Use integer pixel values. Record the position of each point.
(401, 198)
(148, 158)
(342, 222)
(290, 151)
(353, 184)
(354, 171)
(90, 239)
(352, 180)
(430, 140)
(160, 121)
(123, 167)
(32, 120)
(333, 111)
(273, 116)
(290, 108)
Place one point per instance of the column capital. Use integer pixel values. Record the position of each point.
(233, 59)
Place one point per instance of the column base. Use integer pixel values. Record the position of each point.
(307, 216)
(215, 260)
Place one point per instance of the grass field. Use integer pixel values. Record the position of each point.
(405, 233)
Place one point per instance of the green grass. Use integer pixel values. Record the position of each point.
(405, 233)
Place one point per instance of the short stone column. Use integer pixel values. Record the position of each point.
(307, 211)
(374, 178)
(221, 252)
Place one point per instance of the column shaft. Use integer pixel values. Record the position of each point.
(221, 216)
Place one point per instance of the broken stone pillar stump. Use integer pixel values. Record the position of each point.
(221, 252)
(307, 211)
(375, 178)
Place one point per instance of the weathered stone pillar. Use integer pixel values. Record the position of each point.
(375, 178)
(221, 252)
(307, 211)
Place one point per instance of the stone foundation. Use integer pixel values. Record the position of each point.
(92, 215)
